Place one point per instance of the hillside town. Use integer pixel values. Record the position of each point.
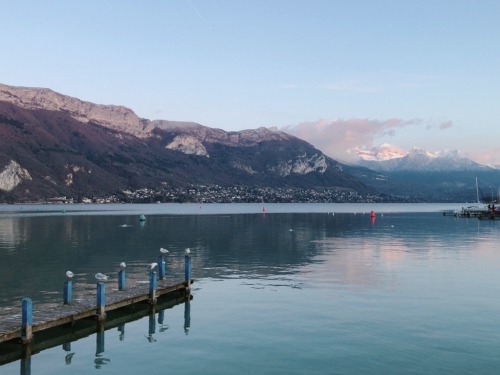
(228, 194)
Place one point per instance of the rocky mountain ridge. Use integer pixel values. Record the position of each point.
(124, 119)
(82, 149)
(116, 117)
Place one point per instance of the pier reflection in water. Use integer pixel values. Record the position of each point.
(145, 318)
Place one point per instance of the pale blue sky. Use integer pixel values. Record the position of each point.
(343, 74)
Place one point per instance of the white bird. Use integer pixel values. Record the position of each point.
(123, 265)
(101, 277)
(188, 250)
(163, 251)
(152, 266)
(69, 274)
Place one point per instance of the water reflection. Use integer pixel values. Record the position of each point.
(414, 285)
(69, 336)
(11, 233)
(69, 354)
(121, 329)
(161, 319)
(100, 360)
(187, 317)
(26, 361)
(36, 250)
(151, 327)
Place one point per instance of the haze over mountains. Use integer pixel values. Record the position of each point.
(55, 145)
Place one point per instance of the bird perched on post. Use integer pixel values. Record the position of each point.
(123, 265)
(188, 250)
(101, 277)
(69, 274)
(163, 251)
(152, 266)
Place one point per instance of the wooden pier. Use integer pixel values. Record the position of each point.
(43, 319)
(40, 319)
(65, 334)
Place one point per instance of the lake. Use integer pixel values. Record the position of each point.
(279, 288)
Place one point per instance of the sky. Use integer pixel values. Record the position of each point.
(342, 75)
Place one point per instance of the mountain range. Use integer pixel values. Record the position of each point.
(433, 176)
(391, 158)
(53, 145)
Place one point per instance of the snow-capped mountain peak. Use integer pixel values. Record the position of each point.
(391, 158)
(381, 153)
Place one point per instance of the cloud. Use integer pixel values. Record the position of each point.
(341, 138)
(446, 125)
(487, 157)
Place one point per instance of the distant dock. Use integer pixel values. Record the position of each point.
(469, 211)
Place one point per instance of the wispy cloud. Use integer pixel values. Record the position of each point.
(194, 9)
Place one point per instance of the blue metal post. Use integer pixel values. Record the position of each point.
(101, 301)
(68, 292)
(187, 271)
(27, 320)
(152, 287)
(121, 280)
(161, 267)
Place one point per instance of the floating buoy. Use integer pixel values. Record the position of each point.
(142, 217)
(263, 209)
(372, 214)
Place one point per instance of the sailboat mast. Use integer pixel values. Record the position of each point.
(477, 192)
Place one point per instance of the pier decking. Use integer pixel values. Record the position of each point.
(43, 319)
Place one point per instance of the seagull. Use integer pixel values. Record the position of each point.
(188, 250)
(152, 266)
(163, 251)
(69, 274)
(101, 277)
(123, 265)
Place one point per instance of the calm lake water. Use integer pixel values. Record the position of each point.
(297, 289)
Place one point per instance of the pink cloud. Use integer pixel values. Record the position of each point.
(486, 157)
(340, 138)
